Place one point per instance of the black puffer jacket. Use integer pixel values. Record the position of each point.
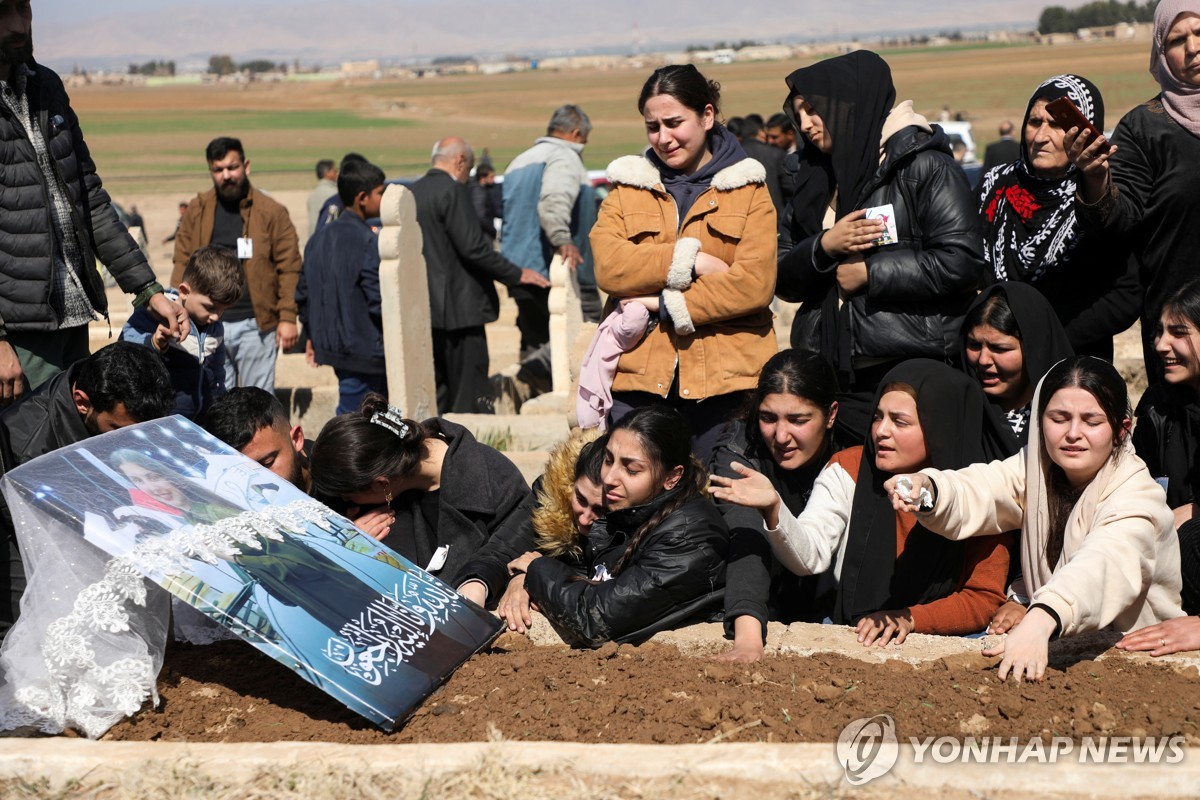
(26, 232)
(677, 576)
(917, 289)
(1167, 438)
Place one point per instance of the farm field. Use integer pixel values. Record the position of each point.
(150, 140)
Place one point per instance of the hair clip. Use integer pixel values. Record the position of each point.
(392, 419)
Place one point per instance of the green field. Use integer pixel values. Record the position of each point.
(151, 139)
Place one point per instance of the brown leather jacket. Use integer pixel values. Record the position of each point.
(722, 332)
(274, 270)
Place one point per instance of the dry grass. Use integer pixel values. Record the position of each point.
(161, 132)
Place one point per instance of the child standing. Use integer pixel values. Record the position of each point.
(212, 281)
(338, 295)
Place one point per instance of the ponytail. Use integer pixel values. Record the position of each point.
(667, 441)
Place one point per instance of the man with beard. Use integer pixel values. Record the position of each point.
(119, 385)
(56, 221)
(235, 214)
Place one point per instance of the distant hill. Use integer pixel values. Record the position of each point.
(189, 32)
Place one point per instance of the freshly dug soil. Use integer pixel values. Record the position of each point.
(228, 692)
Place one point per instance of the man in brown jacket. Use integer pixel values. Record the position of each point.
(238, 216)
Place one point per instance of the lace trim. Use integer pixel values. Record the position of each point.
(79, 692)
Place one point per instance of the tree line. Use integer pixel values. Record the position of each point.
(1057, 19)
(225, 65)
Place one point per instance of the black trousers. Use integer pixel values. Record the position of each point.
(533, 316)
(460, 368)
(1189, 566)
(706, 418)
(12, 581)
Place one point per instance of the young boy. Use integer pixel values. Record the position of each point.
(338, 295)
(212, 281)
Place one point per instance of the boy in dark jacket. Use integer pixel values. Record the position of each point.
(341, 270)
(212, 281)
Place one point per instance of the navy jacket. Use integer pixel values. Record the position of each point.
(341, 275)
(196, 365)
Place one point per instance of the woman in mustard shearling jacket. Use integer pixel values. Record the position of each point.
(689, 231)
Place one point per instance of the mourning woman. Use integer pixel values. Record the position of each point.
(1011, 337)
(451, 495)
(786, 434)
(893, 576)
(657, 559)
(688, 231)
(1098, 543)
(868, 303)
(1030, 233)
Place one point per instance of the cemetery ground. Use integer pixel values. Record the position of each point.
(529, 718)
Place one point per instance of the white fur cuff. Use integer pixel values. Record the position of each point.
(679, 276)
(677, 308)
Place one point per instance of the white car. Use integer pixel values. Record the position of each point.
(961, 131)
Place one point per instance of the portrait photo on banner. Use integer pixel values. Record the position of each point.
(254, 556)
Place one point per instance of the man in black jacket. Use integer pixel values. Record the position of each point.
(753, 142)
(55, 220)
(462, 266)
(1004, 150)
(119, 385)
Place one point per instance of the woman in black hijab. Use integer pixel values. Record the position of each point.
(1030, 233)
(893, 576)
(867, 303)
(1011, 337)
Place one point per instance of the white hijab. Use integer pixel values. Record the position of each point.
(1124, 474)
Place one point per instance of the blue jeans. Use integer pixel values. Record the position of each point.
(354, 386)
(250, 355)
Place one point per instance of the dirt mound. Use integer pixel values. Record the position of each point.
(228, 692)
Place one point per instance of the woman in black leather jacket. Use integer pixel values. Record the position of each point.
(656, 561)
(868, 305)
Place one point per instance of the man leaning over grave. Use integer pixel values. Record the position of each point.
(119, 385)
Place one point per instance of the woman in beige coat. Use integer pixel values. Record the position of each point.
(689, 231)
(1098, 542)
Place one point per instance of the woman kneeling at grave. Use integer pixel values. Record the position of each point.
(656, 561)
(894, 577)
(786, 434)
(1098, 542)
(441, 495)
(569, 502)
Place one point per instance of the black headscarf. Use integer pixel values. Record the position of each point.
(853, 95)
(1043, 344)
(952, 410)
(1029, 224)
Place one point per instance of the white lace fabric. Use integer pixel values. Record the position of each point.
(89, 643)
